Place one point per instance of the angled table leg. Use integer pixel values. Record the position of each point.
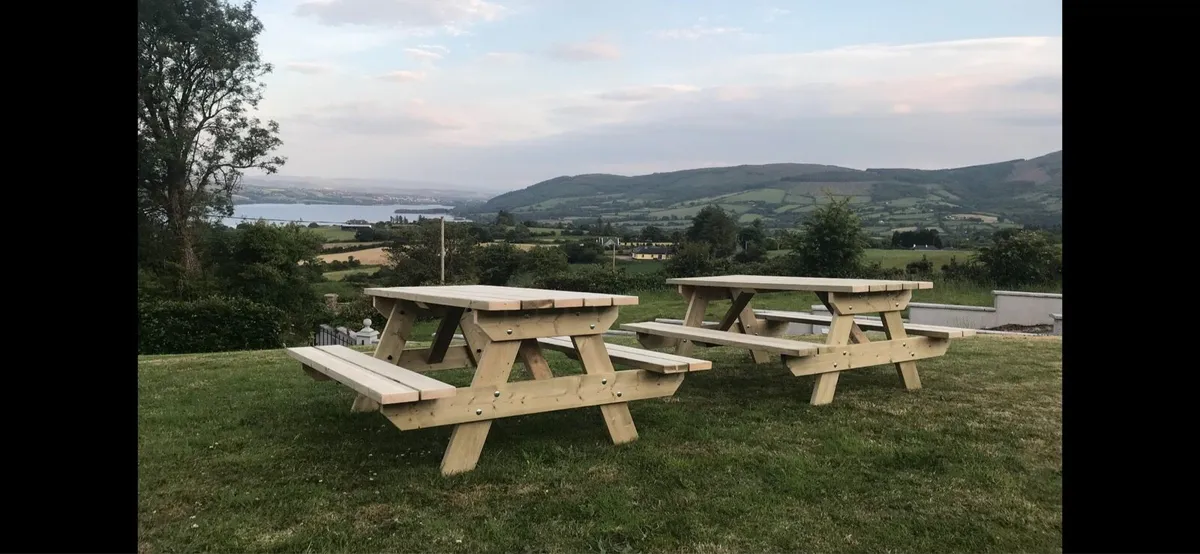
(593, 355)
(401, 316)
(531, 356)
(842, 331)
(697, 304)
(741, 313)
(494, 364)
(893, 325)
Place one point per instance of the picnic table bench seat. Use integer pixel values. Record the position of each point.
(649, 360)
(706, 336)
(371, 377)
(866, 324)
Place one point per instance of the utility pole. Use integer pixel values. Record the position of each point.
(614, 261)
(443, 249)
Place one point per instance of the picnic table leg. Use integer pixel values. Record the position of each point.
(530, 354)
(391, 344)
(741, 313)
(842, 331)
(857, 336)
(893, 325)
(697, 304)
(444, 335)
(593, 355)
(495, 361)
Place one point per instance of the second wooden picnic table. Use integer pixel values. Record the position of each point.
(846, 346)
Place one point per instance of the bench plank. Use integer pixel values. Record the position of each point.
(934, 331)
(712, 336)
(658, 362)
(429, 387)
(372, 385)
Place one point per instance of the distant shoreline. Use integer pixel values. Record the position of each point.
(424, 211)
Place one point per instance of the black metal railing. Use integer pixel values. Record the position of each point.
(328, 336)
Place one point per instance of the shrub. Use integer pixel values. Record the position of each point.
(214, 324)
(1016, 258)
(601, 279)
(874, 270)
(969, 271)
(695, 259)
(922, 267)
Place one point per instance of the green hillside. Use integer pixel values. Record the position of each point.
(960, 200)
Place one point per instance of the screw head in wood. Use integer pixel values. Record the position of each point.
(618, 394)
(834, 365)
(593, 326)
(389, 357)
(478, 411)
(496, 394)
(604, 381)
(509, 331)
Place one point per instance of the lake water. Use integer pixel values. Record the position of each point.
(325, 213)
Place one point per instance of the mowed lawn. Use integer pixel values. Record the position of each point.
(901, 258)
(242, 452)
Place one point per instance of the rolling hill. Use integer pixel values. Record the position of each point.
(965, 199)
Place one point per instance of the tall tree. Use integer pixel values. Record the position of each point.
(651, 233)
(198, 72)
(416, 259)
(831, 243)
(715, 227)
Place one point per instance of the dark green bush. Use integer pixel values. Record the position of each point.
(602, 279)
(215, 324)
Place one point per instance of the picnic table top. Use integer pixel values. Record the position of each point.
(493, 298)
(814, 284)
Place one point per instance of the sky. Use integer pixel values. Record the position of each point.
(501, 94)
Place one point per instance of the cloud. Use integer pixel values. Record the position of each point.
(308, 68)
(369, 118)
(403, 76)
(641, 94)
(503, 57)
(592, 50)
(697, 31)
(1042, 84)
(423, 54)
(777, 13)
(928, 105)
(413, 14)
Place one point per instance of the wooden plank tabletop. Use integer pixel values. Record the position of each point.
(492, 298)
(814, 284)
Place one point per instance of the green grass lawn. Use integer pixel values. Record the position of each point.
(333, 233)
(900, 258)
(339, 275)
(241, 452)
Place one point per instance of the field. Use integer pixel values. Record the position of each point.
(339, 275)
(332, 234)
(370, 256)
(737, 461)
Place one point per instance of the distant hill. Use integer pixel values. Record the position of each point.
(981, 197)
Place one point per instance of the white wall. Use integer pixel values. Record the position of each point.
(1026, 308)
(952, 315)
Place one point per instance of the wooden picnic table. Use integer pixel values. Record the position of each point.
(500, 325)
(846, 346)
